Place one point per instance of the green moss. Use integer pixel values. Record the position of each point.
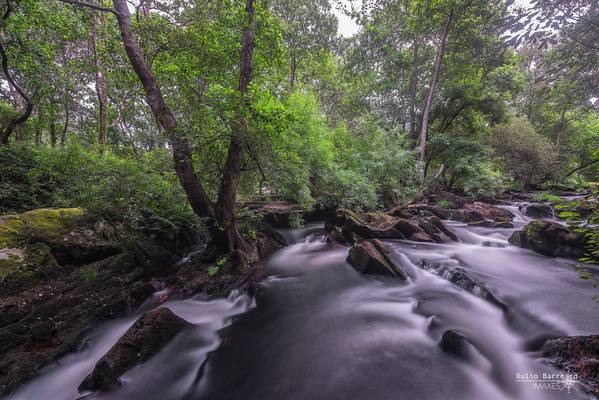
(42, 224)
(10, 228)
(8, 263)
(51, 223)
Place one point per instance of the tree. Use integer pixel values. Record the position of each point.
(431, 93)
(23, 116)
(222, 212)
(309, 26)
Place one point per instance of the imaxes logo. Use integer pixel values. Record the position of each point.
(546, 381)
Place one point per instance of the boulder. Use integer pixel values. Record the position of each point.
(371, 257)
(492, 224)
(150, 333)
(549, 238)
(489, 211)
(455, 344)
(463, 215)
(412, 231)
(378, 225)
(537, 210)
(579, 354)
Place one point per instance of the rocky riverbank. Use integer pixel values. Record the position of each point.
(62, 272)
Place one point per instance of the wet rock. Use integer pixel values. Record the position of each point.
(268, 240)
(145, 338)
(492, 224)
(579, 354)
(537, 210)
(412, 231)
(436, 221)
(467, 216)
(371, 257)
(455, 344)
(489, 211)
(549, 238)
(488, 243)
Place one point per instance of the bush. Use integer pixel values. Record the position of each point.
(523, 153)
(114, 186)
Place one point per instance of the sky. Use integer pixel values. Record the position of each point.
(347, 27)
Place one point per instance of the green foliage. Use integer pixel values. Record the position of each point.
(89, 274)
(582, 216)
(523, 153)
(546, 197)
(443, 203)
(113, 185)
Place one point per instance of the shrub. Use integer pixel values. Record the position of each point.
(524, 153)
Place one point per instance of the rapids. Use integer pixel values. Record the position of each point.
(320, 330)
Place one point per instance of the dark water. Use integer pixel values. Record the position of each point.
(323, 331)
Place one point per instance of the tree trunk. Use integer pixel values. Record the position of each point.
(560, 127)
(53, 128)
(63, 137)
(414, 91)
(14, 122)
(101, 91)
(38, 128)
(230, 177)
(431, 93)
(292, 78)
(182, 154)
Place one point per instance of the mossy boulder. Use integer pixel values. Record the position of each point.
(549, 238)
(38, 225)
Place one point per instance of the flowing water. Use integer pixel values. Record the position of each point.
(321, 330)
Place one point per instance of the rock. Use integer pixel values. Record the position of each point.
(488, 243)
(436, 221)
(489, 211)
(268, 240)
(411, 231)
(492, 224)
(466, 216)
(150, 333)
(371, 257)
(378, 225)
(455, 344)
(549, 238)
(579, 354)
(537, 210)
(43, 225)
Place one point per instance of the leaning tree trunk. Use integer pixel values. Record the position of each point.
(182, 154)
(230, 177)
(431, 93)
(14, 122)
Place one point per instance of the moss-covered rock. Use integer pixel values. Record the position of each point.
(549, 238)
(38, 225)
(10, 228)
(50, 223)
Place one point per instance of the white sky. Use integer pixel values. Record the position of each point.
(347, 26)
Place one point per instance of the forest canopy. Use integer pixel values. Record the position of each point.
(183, 107)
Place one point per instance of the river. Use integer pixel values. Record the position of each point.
(320, 330)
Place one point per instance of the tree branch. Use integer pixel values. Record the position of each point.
(90, 5)
(583, 167)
